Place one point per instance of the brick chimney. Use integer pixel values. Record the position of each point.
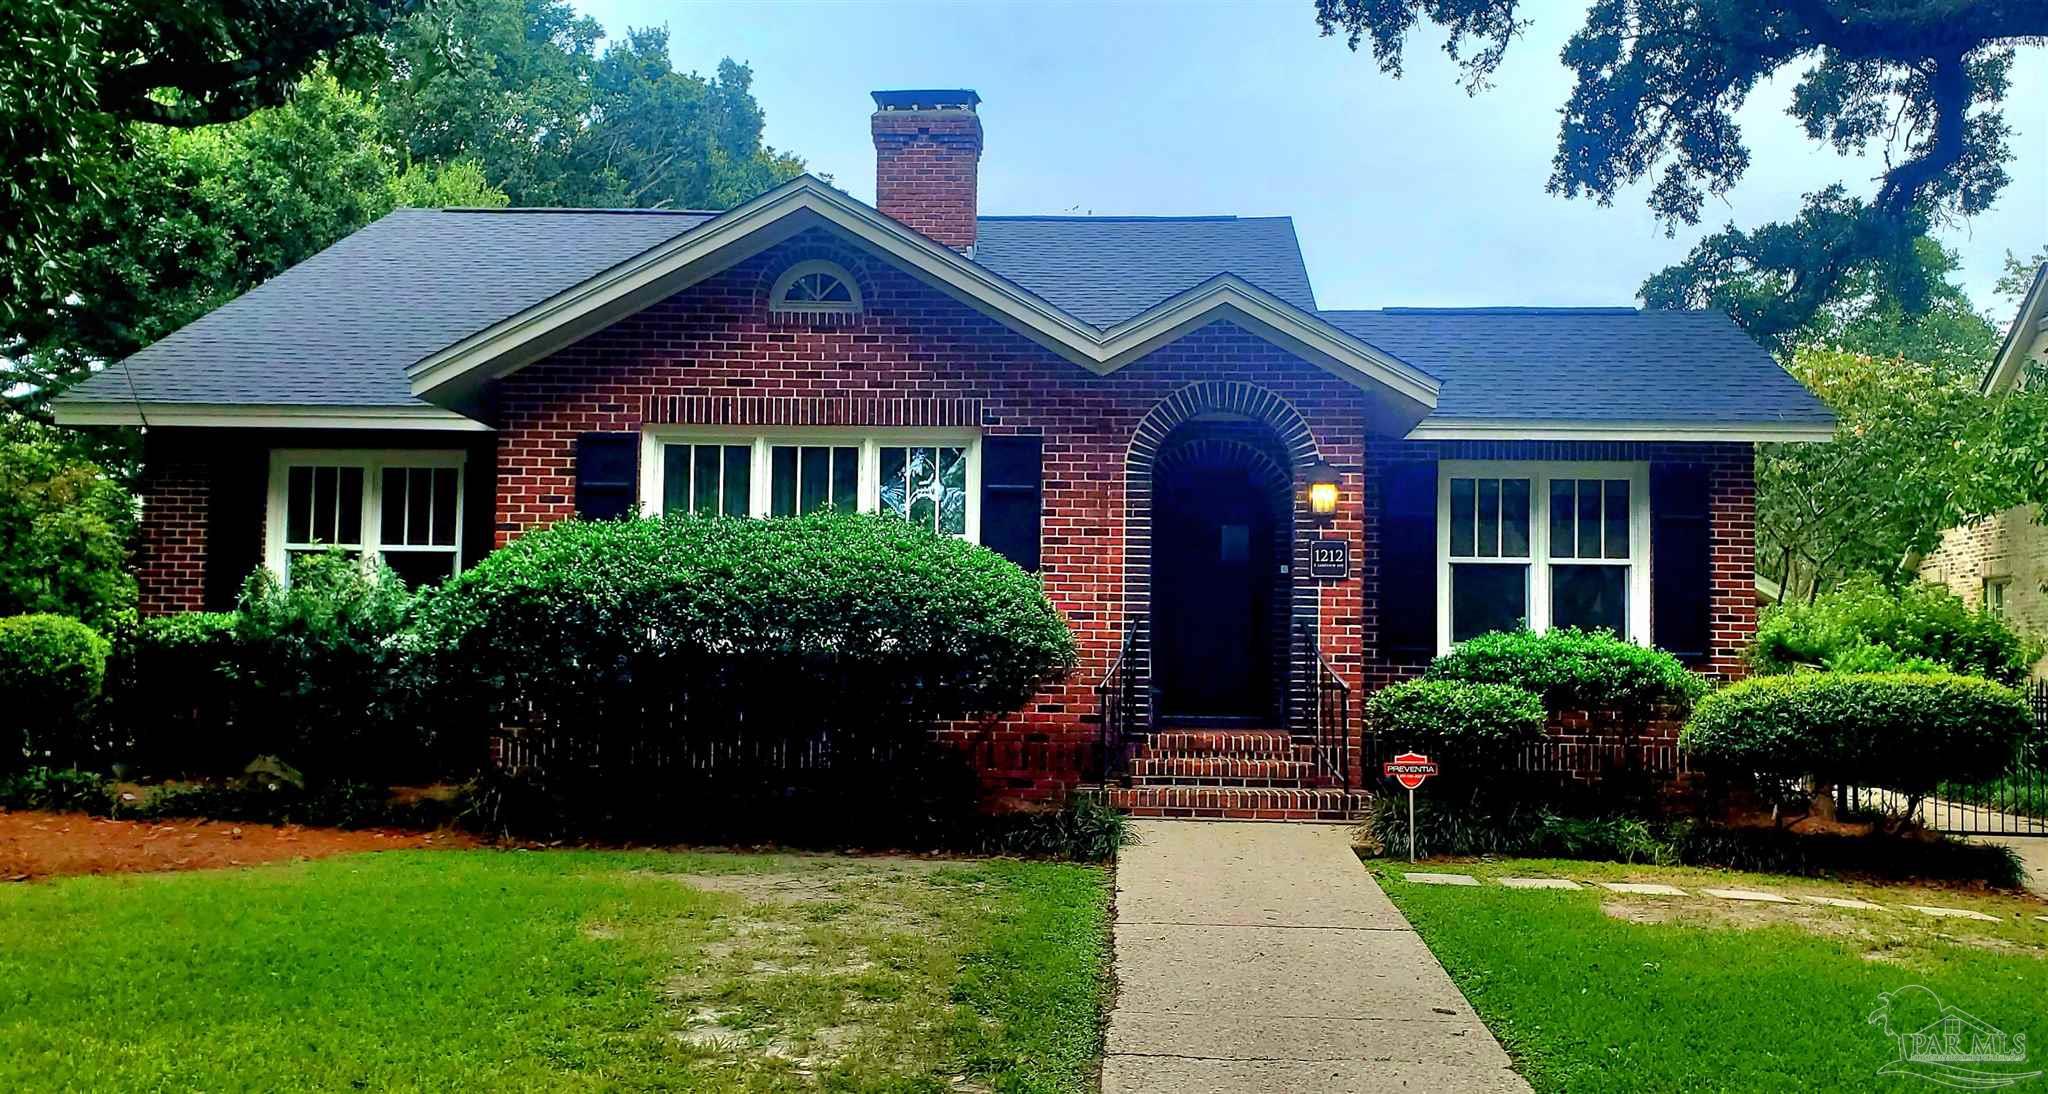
(927, 156)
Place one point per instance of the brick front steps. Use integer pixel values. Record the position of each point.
(1231, 774)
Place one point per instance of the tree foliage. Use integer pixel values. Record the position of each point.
(1658, 87)
(75, 75)
(64, 528)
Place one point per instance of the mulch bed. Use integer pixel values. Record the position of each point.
(37, 845)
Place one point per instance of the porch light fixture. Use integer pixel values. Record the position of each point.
(1322, 491)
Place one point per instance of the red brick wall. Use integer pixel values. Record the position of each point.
(713, 355)
(170, 559)
(926, 169)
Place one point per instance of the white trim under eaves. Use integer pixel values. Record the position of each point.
(805, 202)
(1505, 429)
(231, 416)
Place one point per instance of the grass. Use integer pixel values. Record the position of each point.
(1591, 991)
(559, 970)
(2021, 792)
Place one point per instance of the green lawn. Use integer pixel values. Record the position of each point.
(558, 970)
(1593, 991)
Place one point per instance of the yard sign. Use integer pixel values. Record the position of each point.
(1410, 769)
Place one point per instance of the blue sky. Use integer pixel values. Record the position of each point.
(1404, 192)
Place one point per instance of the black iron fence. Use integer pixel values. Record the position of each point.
(2014, 804)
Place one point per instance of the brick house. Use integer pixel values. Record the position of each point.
(2002, 563)
(1135, 408)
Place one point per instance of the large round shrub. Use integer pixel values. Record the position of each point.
(1906, 732)
(51, 669)
(1466, 727)
(1574, 670)
(831, 620)
(1916, 624)
(168, 704)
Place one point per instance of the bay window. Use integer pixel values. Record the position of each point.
(931, 477)
(1542, 545)
(403, 508)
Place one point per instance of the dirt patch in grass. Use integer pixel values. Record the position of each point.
(37, 845)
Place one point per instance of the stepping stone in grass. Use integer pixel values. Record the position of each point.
(1538, 883)
(1748, 894)
(1955, 913)
(1642, 888)
(1442, 879)
(2042, 918)
(1842, 902)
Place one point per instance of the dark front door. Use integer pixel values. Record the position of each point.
(1212, 595)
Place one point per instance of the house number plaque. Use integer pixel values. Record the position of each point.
(1329, 558)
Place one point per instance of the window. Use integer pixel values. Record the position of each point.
(814, 290)
(1542, 545)
(1995, 590)
(403, 508)
(932, 477)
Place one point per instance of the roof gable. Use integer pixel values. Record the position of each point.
(1103, 270)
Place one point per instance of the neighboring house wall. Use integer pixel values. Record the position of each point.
(2011, 547)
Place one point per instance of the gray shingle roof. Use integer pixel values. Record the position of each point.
(1589, 364)
(341, 327)
(1104, 270)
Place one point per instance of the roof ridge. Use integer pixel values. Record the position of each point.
(1505, 310)
(566, 209)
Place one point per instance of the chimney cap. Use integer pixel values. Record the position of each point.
(954, 98)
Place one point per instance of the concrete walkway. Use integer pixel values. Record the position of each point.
(1262, 957)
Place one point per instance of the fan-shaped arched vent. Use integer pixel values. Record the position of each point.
(815, 291)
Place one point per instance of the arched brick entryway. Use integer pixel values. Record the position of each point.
(1279, 451)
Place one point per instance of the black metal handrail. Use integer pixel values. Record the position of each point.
(1330, 716)
(1117, 698)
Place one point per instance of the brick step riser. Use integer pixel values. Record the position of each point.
(1293, 754)
(1219, 767)
(1232, 803)
(1271, 743)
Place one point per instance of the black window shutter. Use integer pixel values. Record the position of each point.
(1407, 563)
(1012, 488)
(607, 474)
(1681, 560)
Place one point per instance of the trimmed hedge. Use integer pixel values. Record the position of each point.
(1864, 626)
(1574, 670)
(168, 705)
(831, 619)
(1906, 732)
(1466, 726)
(51, 669)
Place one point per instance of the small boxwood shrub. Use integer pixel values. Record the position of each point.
(1919, 623)
(1465, 726)
(51, 670)
(1574, 670)
(1905, 732)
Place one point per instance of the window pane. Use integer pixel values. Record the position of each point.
(1589, 518)
(298, 520)
(923, 483)
(846, 479)
(895, 487)
(1514, 518)
(326, 481)
(815, 480)
(350, 501)
(419, 508)
(1462, 513)
(739, 480)
(1589, 597)
(953, 491)
(417, 568)
(1616, 518)
(1489, 518)
(1487, 598)
(782, 481)
(447, 482)
(1563, 512)
(392, 520)
(704, 498)
(675, 478)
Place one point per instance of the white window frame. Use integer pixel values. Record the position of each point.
(870, 442)
(1540, 473)
(778, 294)
(373, 462)
(2001, 585)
